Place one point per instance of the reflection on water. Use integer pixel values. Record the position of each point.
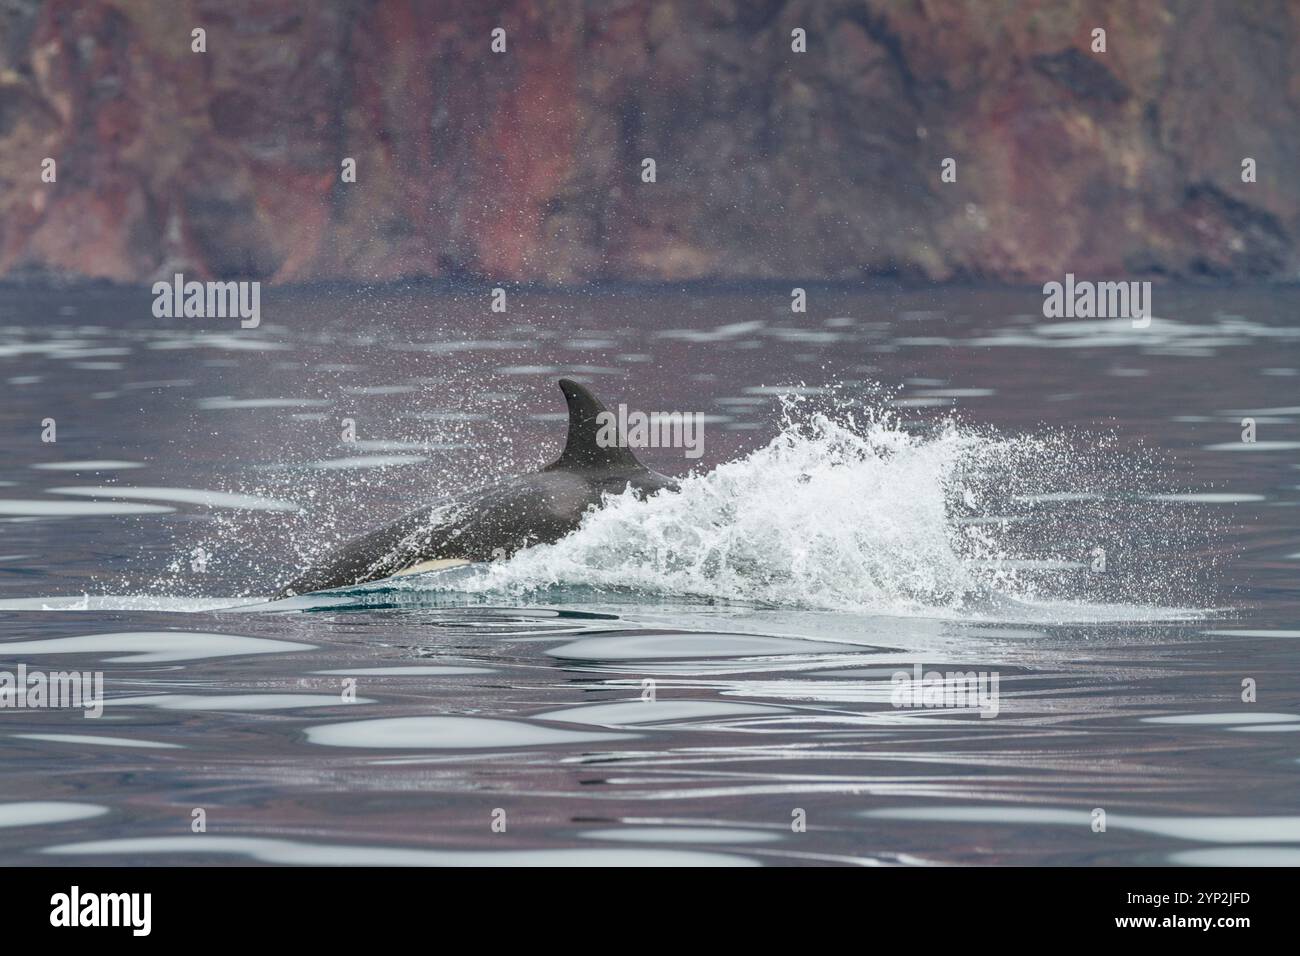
(608, 705)
(200, 849)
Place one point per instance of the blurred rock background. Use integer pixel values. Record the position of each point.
(526, 165)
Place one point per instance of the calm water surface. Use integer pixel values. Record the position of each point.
(501, 712)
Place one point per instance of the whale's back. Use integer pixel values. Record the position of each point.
(496, 521)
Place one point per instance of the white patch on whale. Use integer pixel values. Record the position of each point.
(437, 564)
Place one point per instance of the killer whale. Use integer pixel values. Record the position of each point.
(496, 521)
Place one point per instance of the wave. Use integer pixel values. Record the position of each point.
(848, 510)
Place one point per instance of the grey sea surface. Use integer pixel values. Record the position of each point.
(961, 487)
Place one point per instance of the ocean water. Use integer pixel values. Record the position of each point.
(897, 482)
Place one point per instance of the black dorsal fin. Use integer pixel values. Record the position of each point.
(581, 448)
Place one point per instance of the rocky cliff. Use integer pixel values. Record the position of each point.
(527, 164)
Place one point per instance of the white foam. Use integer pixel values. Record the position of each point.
(834, 514)
(825, 517)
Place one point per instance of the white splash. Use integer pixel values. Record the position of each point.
(845, 513)
(828, 514)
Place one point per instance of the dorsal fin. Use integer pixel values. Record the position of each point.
(581, 449)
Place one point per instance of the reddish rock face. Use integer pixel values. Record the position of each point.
(526, 165)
